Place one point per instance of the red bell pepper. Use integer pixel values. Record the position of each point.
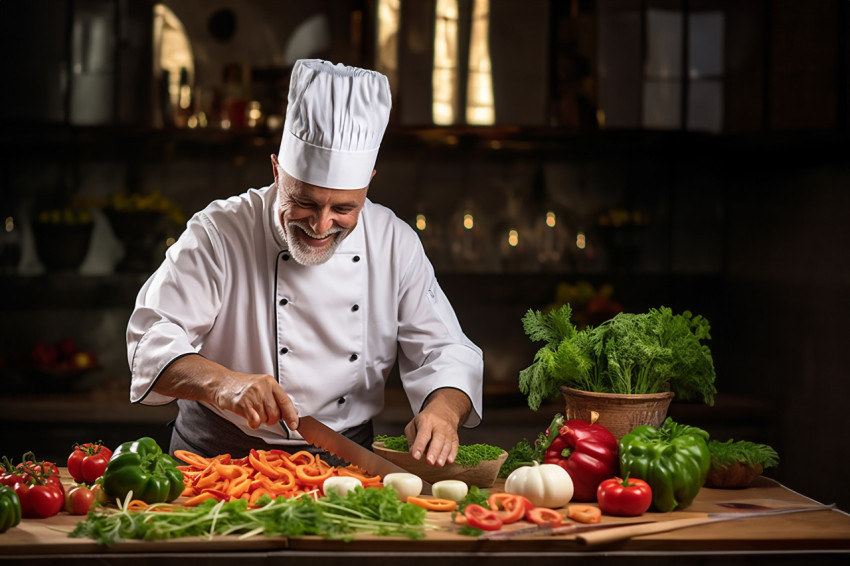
(478, 517)
(588, 451)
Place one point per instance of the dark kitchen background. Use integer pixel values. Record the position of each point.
(613, 154)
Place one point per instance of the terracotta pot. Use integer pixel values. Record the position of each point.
(618, 413)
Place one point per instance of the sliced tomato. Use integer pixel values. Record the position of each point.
(511, 508)
(544, 516)
(480, 518)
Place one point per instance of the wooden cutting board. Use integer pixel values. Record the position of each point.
(820, 530)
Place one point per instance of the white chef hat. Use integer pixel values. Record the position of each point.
(335, 121)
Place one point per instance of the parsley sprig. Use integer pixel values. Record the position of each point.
(376, 511)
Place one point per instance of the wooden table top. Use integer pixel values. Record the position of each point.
(823, 531)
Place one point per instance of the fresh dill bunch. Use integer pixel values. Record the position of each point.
(629, 353)
(468, 455)
(725, 454)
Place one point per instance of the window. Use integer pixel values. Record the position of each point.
(660, 67)
(460, 91)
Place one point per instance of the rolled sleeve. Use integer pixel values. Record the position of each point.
(435, 353)
(174, 309)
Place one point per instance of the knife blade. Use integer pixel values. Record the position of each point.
(319, 434)
(629, 531)
(550, 530)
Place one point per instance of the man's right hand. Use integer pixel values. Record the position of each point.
(258, 398)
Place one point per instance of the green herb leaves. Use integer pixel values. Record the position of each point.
(743, 452)
(371, 510)
(627, 354)
(468, 455)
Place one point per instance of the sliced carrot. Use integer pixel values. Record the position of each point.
(137, 505)
(258, 493)
(238, 487)
(367, 479)
(200, 498)
(433, 503)
(259, 462)
(311, 474)
(302, 457)
(231, 471)
(584, 513)
(191, 458)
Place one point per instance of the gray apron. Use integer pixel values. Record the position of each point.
(199, 430)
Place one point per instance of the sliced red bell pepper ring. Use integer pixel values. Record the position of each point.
(544, 516)
(510, 507)
(480, 518)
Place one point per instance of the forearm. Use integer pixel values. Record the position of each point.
(191, 377)
(257, 397)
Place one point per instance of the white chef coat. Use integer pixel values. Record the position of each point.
(230, 291)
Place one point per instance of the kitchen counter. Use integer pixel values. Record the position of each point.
(812, 537)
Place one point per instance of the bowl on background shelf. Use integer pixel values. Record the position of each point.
(139, 231)
(51, 367)
(62, 246)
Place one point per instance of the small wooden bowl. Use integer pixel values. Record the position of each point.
(482, 474)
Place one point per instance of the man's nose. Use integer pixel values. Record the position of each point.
(323, 221)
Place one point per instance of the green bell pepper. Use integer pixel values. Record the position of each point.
(141, 467)
(10, 508)
(673, 459)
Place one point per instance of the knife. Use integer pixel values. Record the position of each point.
(550, 530)
(321, 435)
(628, 531)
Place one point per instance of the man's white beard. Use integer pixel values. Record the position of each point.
(306, 254)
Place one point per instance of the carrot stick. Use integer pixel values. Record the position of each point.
(201, 497)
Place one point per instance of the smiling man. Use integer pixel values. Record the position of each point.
(298, 298)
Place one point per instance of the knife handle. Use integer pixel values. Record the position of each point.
(617, 534)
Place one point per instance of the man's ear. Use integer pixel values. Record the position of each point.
(275, 165)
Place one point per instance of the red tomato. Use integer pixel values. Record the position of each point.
(79, 500)
(544, 516)
(88, 462)
(39, 501)
(511, 508)
(481, 518)
(99, 494)
(628, 497)
(31, 470)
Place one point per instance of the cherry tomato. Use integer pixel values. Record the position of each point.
(79, 500)
(480, 518)
(544, 516)
(88, 462)
(627, 497)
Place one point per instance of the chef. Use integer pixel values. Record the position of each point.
(297, 298)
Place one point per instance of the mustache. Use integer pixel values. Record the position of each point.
(307, 230)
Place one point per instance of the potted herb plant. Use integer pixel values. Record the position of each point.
(627, 369)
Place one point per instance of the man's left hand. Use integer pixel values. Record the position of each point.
(433, 432)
